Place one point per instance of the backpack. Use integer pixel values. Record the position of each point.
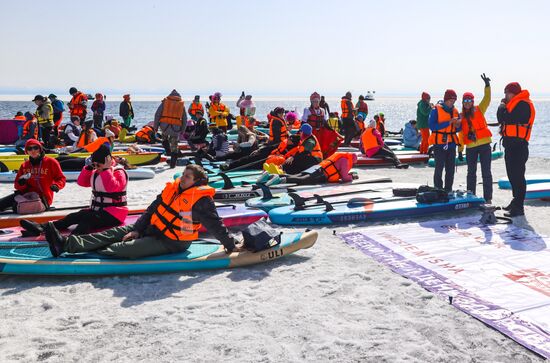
(260, 236)
(428, 195)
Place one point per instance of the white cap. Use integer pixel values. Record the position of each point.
(109, 133)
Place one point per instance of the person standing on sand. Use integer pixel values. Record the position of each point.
(477, 140)
(98, 110)
(171, 118)
(126, 111)
(423, 109)
(78, 104)
(169, 225)
(348, 123)
(44, 116)
(444, 121)
(516, 116)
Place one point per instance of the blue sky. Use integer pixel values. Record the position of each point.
(272, 47)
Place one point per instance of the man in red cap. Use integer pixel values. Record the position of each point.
(423, 109)
(40, 174)
(476, 137)
(516, 115)
(444, 121)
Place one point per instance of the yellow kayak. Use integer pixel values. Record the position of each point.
(13, 162)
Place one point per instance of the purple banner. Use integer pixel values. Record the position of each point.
(503, 320)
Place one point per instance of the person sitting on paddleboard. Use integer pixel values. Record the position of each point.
(373, 146)
(169, 225)
(40, 174)
(411, 136)
(331, 170)
(108, 207)
(308, 152)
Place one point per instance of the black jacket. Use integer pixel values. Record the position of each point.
(519, 115)
(126, 110)
(204, 212)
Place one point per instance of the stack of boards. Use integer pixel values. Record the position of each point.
(72, 176)
(538, 186)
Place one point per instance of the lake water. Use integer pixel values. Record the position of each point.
(396, 110)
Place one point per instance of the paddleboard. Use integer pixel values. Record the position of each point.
(72, 176)
(35, 258)
(232, 216)
(494, 155)
(538, 191)
(367, 211)
(504, 183)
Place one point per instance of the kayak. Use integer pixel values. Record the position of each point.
(332, 192)
(359, 209)
(538, 191)
(232, 216)
(72, 176)
(494, 155)
(34, 258)
(13, 162)
(405, 159)
(504, 183)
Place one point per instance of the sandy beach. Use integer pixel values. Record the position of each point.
(327, 303)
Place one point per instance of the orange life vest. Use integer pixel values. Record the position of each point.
(448, 134)
(368, 139)
(346, 112)
(196, 107)
(329, 166)
(84, 138)
(220, 120)
(284, 130)
(172, 111)
(316, 152)
(91, 147)
(522, 131)
(21, 118)
(26, 129)
(174, 215)
(479, 127)
(145, 133)
(77, 109)
(316, 121)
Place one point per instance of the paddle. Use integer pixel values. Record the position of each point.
(51, 209)
(254, 163)
(353, 202)
(300, 201)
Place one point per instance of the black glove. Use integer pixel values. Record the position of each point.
(88, 167)
(486, 79)
(21, 181)
(54, 187)
(460, 156)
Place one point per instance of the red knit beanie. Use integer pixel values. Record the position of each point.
(449, 95)
(426, 96)
(513, 87)
(468, 96)
(33, 142)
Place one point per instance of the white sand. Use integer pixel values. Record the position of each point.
(330, 302)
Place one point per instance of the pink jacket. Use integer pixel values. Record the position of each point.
(111, 181)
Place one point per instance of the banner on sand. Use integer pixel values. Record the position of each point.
(499, 274)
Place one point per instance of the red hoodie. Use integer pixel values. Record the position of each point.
(46, 173)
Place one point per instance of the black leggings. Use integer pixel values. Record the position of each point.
(300, 163)
(516, 153)
(87, 221)
(257, 155)
(317, 177)
(71, 163)
(387, 154)
(8, 202)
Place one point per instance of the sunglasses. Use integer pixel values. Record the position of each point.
(31, 148)
(467, 101)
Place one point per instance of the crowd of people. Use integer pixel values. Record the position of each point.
(302, 150)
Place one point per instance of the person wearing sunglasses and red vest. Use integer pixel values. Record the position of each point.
(477, 140)
(516, 115)
(40, 174)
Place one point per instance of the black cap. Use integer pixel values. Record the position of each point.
(100, 154)
(38, 98)
(52, 96)
(73, 90)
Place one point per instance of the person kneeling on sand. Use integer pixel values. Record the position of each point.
(169, 225)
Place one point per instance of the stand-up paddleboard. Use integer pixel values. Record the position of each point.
(504, 183)
(404, 159)
(538, 191)
(494, 155)
(360, 209)
(13, 162)
(232, 216)
(329, 191)
(72, 176)
(30, 258)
